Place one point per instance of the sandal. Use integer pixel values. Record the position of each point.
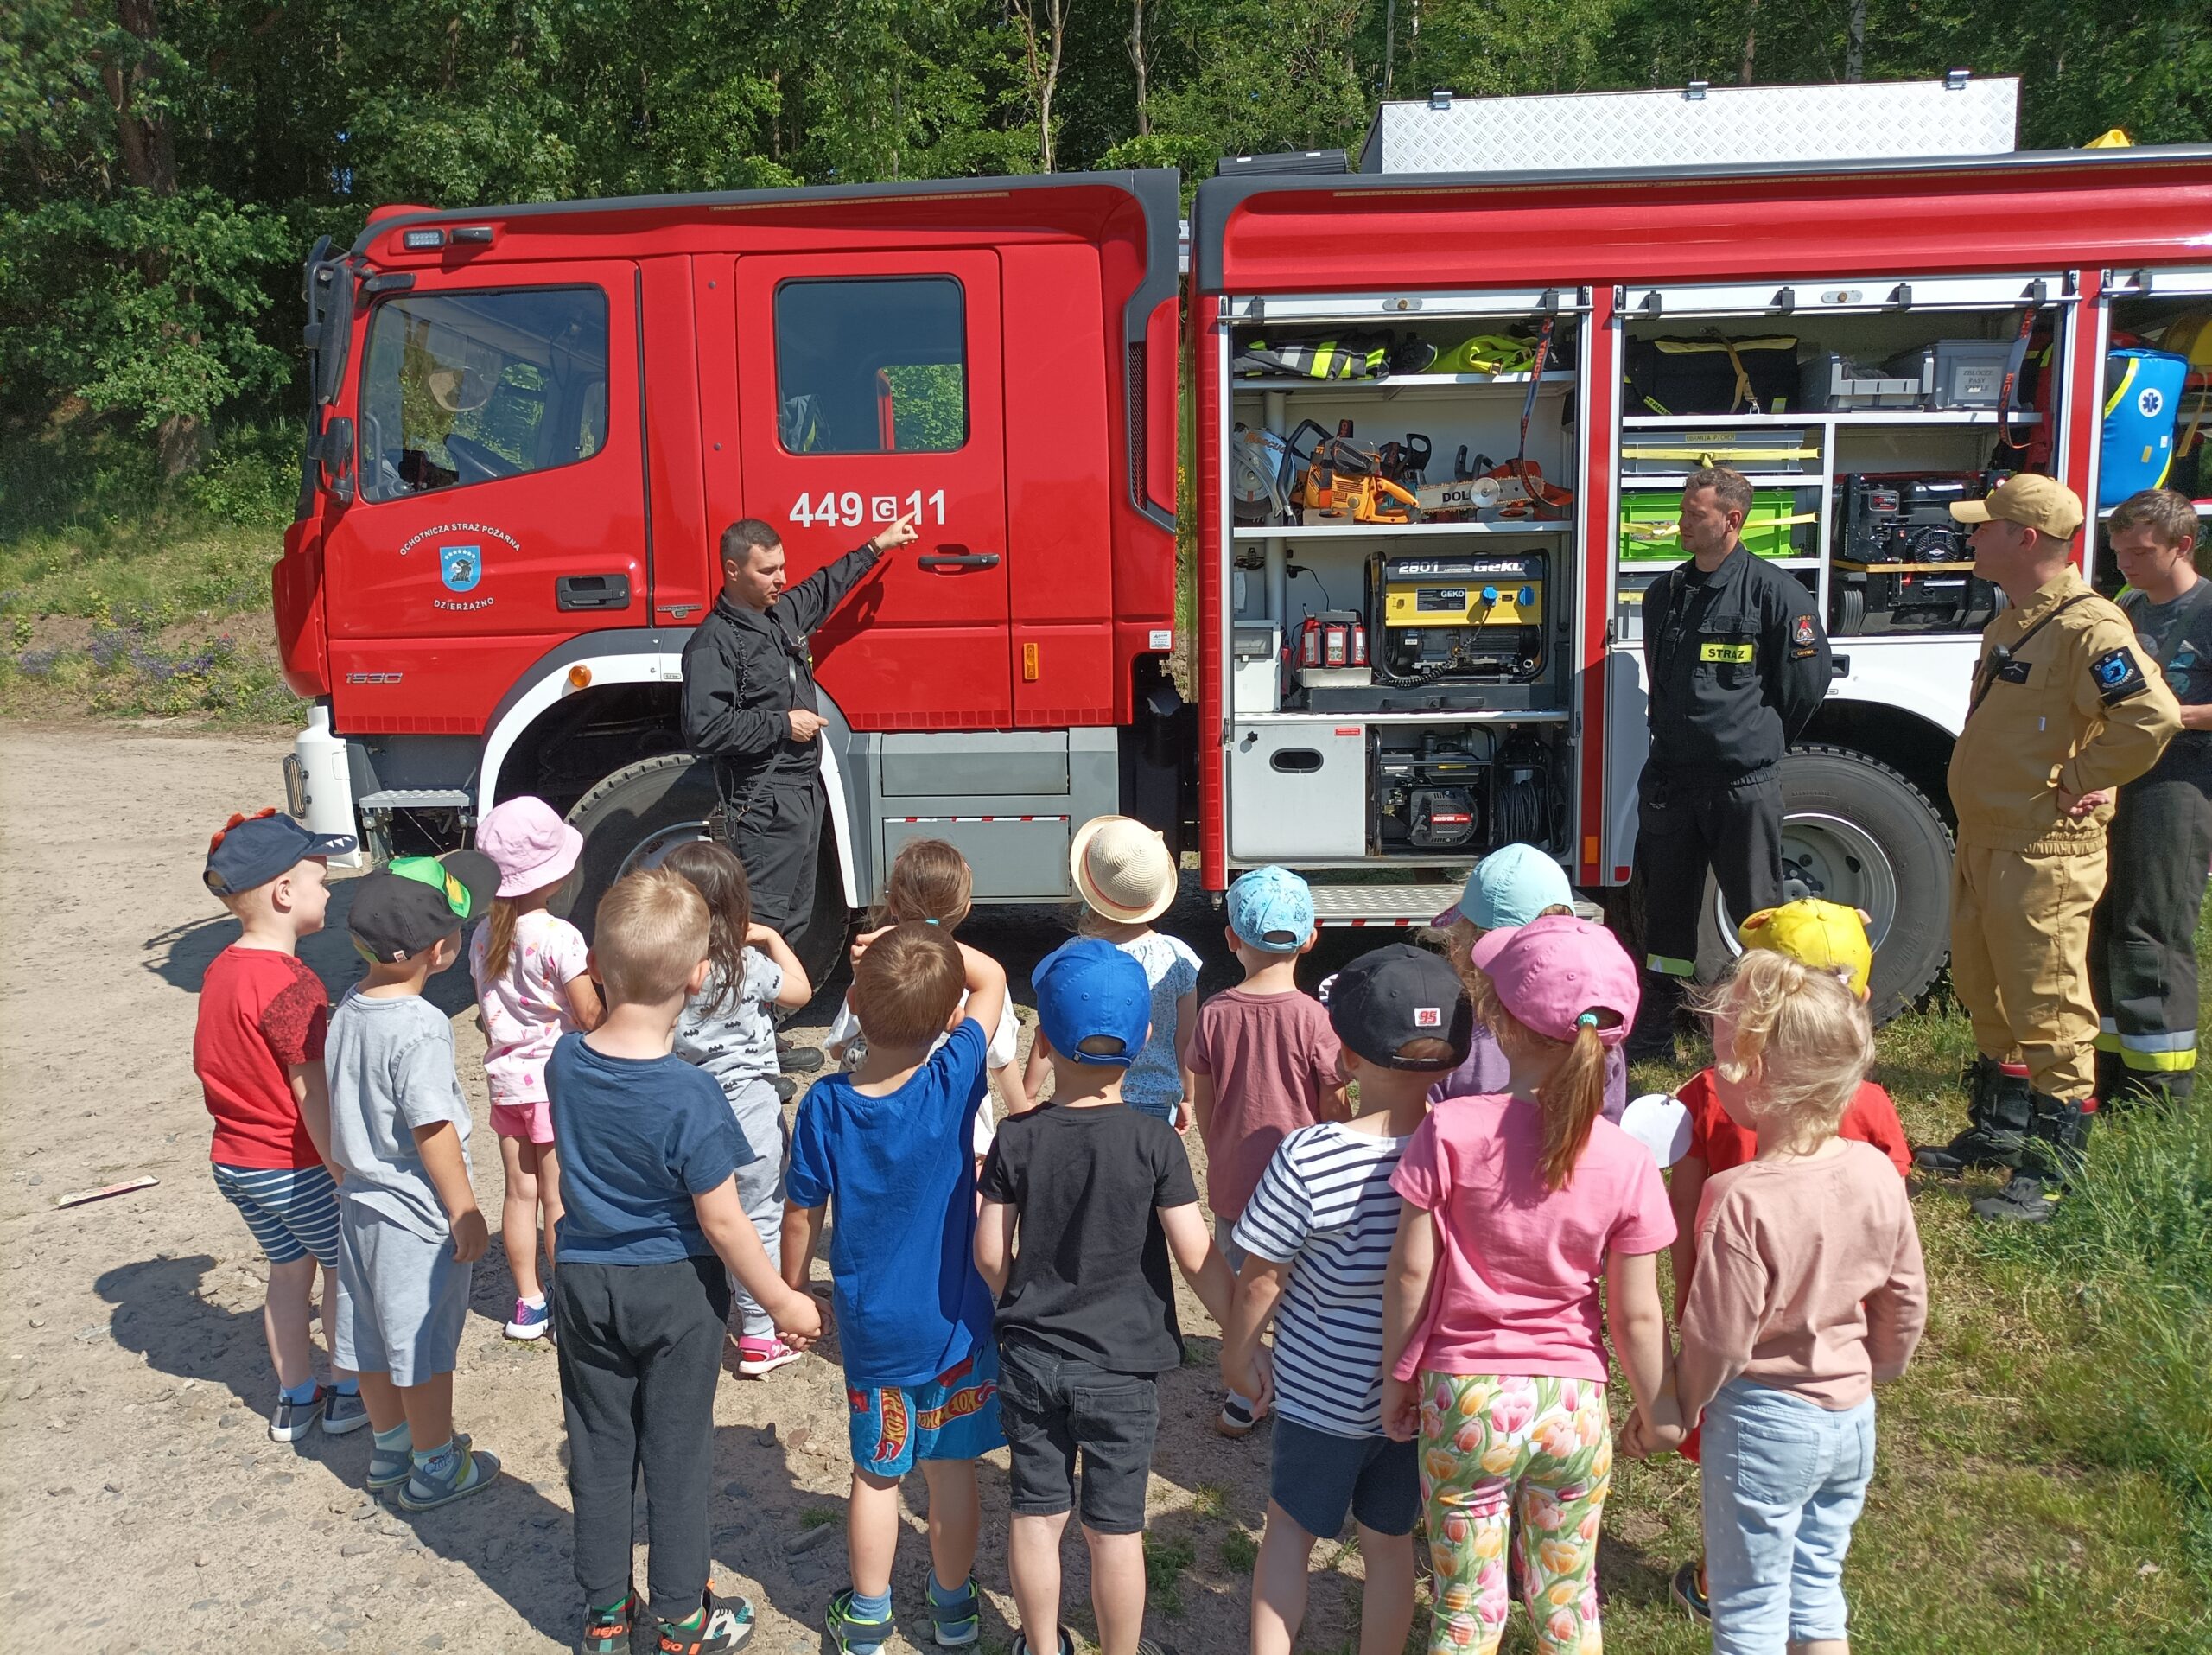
(471, 1473)
(725, 1624)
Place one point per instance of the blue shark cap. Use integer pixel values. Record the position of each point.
(1271, 909)
(1509, 886)
(1089, 989)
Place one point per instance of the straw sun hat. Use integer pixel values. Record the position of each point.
(1123, 870)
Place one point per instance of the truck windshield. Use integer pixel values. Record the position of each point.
(460, 388)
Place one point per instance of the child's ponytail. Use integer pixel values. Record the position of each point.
(498, 938)
(1572, 1098)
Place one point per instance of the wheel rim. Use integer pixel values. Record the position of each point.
(653, 850)
(1834, 858)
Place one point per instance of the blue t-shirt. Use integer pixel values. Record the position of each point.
(638, 1138)
(909, 1303)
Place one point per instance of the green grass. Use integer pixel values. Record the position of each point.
(1240, 1549)
(126, 596)
(1167, 1559)
(819, 1517)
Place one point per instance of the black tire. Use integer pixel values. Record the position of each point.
(636, 815)
(1867, 837)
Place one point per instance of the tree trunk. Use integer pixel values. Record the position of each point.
(178, 445)
(1743, 74)
(1389, 43)
(1138, 62)
(1854, 49)
(148, 146)
(1042, 63)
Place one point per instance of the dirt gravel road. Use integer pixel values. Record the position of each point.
(144, 1507)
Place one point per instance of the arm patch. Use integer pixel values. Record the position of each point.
(2117, 676)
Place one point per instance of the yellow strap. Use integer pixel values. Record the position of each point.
(1629, 453)
(1743, 381)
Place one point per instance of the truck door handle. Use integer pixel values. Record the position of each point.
(958, 560)
(592, 592)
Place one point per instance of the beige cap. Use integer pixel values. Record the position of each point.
(1123, 870)
(2032, 501)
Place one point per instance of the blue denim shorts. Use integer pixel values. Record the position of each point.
(1785, 1480)
(1319, 1477)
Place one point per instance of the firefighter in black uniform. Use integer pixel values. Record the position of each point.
(1737, 662)
(749, 704)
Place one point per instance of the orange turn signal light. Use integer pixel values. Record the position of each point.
(579, 677)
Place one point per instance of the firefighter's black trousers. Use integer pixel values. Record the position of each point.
(1684, 828)
(776, 831)
(2143, 937)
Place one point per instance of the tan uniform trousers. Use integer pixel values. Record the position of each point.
(2020, 961)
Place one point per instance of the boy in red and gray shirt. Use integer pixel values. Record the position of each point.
(1262, 1061)
(259, 1054)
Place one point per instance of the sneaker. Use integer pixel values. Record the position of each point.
(1067, 1642)
(1688, 1589)
(2025, 1198)
(530, 1321)
(853, 1635)
(761, 1355)
(606, 1632)
(464, 1472)
(389, 1467)
(1236, 1418)
(292, 1420)
(797, 1060)
(955, 1621)
(726, 1624)
(346, 1412)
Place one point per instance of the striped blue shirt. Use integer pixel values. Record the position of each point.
(1324, 1206)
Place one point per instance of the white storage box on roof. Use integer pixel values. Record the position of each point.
(1699, 127)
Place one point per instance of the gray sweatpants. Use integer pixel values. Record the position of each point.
(760, 1116)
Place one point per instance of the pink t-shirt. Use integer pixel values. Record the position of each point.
(1518, 1265)
(1271, 1057)
(525, 1010)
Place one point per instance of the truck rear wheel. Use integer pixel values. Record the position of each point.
(635, 817)
(1855, 831)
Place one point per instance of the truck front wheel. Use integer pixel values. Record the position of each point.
(1855, 831)
(635, 817)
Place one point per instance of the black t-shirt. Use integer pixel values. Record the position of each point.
(2178, 637)
(1091, 1267)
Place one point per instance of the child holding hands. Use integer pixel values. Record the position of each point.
(1317, 1235)
(1084, 1201)
(1515, 1206)
(531, 988)
(890, 1144)
(728, 1028)
(1809, 1290)
(653, 1231)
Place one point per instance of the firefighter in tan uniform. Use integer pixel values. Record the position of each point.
(2065, 708)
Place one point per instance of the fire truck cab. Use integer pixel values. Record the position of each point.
(1439, 423)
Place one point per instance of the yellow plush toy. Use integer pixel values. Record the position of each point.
(1825, 935)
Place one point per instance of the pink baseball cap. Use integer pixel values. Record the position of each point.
(530, 845)
(1550, 972)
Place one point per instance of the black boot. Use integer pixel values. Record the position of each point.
(1999, 1112)
(1651, 1038)
(2058, 1138)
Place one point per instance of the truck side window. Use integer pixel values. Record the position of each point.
(463, 387)
(871, 366)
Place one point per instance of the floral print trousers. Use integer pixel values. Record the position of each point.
(1526, 1456)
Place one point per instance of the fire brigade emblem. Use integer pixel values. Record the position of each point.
(1802, 634)
(460, 567)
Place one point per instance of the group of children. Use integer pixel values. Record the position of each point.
(1429, 1257)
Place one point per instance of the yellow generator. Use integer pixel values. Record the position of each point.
(1467, 618)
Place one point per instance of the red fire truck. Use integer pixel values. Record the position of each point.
(530, 425)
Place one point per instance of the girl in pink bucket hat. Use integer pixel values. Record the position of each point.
(531, 988)
(1516, 1203)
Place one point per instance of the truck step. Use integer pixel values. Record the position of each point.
(416, 798)
(1381, 905)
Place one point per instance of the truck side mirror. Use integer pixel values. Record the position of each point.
(334, 455)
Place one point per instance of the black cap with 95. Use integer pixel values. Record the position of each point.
(1385, 1000)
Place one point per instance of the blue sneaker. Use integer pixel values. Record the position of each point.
(530, 1321)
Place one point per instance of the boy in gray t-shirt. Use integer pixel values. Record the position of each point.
(407, 1227)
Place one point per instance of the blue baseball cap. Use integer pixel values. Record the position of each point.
(248, 851)
(1509, 886)
(1271, 909)
(1088, 990)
